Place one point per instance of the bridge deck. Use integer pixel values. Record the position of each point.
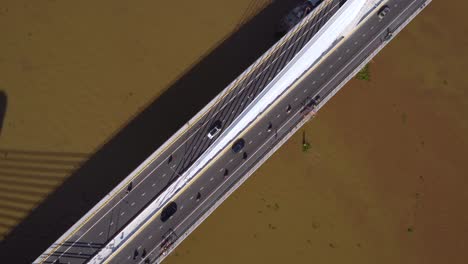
(91, 236)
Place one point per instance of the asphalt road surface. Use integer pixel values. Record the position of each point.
(228, 168)
(95, 232)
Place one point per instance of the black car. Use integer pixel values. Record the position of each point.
(168, 211)
(238, 145)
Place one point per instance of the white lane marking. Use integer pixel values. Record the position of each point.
(132, 204)
(122, 213)
(150, 237)
(305, 90)
(152, 185)
(221, 170)
(250, 142)
(112, 223)
(231, 160)
(314, 82)
(164, 175)
(143, 194)
(100, 234)
(295, 99)
(211, 179)
(259, 133)
(201, 189)
(339, 58)
(191, 198)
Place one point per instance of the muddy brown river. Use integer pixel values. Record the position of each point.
(385, 179)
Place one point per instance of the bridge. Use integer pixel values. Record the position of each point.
(163, 200)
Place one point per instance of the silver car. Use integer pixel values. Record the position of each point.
(215, 128)
(384, 11)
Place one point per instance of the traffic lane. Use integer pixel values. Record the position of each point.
(355, 44)
(304, 91)
(153, 234)
(392, 20)
(215, 174)
(103, 227)
(121, 211)
(248, 84)
(370, 48)
(137, 183)
(76, 239)
(188, 200)
(229, 162)
(109, 224)
(259, 78)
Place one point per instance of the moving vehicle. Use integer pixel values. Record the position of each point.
(238, 145)
(168, 211)
(214, 130)
(384, 11)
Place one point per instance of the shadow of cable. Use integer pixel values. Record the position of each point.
(142, 136)
(3, 107)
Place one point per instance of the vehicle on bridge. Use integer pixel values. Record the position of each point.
(384, 11)
(215, 128)
(168, 211)
(295, 16)
(238, 145)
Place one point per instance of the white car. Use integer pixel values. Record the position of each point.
(383, 12)
(215, 128)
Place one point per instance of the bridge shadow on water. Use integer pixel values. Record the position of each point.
(142, 136)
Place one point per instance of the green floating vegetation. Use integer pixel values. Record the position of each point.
(305, 146)
(364, 73)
